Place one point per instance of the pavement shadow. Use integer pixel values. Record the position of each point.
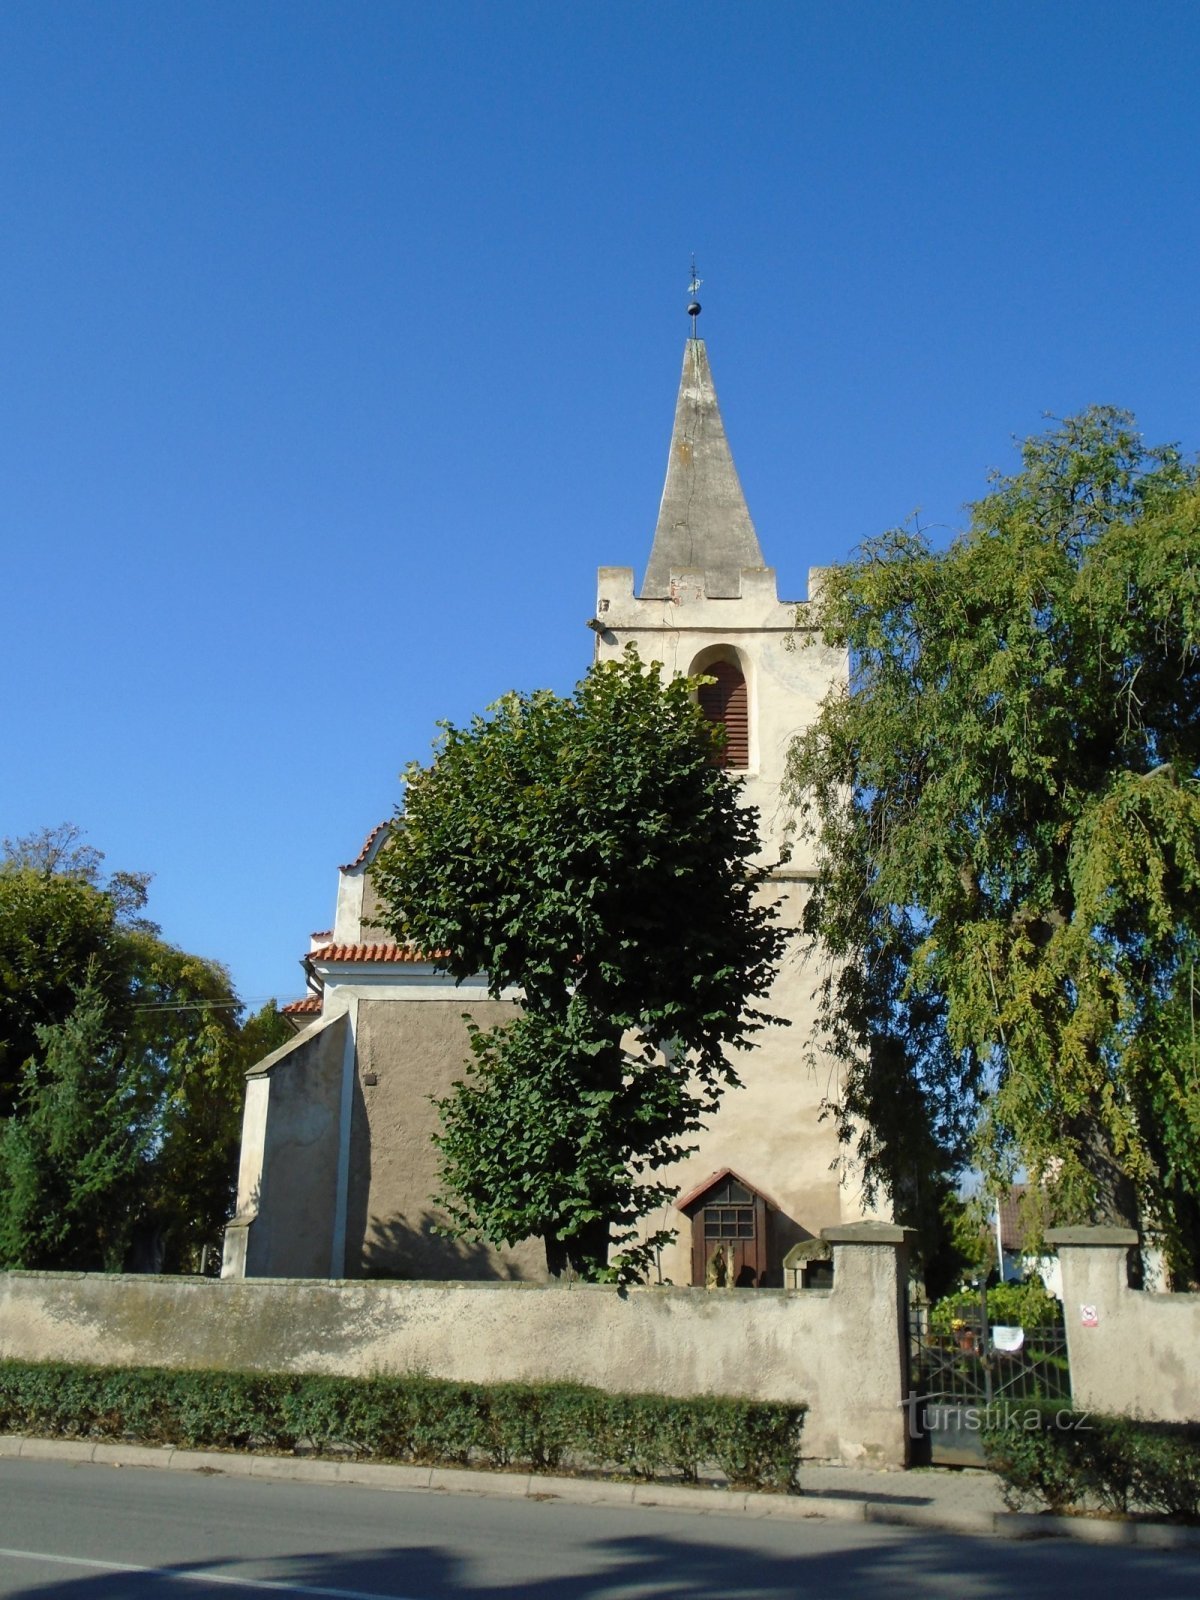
(699, 1562)
(875, 1496)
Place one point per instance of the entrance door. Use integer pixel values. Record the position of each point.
(729, 1237)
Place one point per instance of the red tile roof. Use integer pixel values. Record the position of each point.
(1012, 1220)
(322, 933)
(310, 1006)
(690, 1198)
(378, 952)
(348, 866)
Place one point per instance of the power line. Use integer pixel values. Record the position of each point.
(188, 1005)
(199, 1005)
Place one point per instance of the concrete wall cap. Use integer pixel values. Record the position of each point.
(867, 1233)
(264, 1068)
(1112, 1238)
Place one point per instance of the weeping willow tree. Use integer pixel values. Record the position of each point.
(1006, 806)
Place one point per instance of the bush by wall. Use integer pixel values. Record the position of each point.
(532, 1427)
(1062, 1460)
(1025, 1305)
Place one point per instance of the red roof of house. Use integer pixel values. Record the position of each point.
(310, 1006)
(378, 952)
(1012, 1231)
(711, 1182)
(362, 855)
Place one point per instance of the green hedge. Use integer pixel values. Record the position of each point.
(1062, 1460)
(533, 1427)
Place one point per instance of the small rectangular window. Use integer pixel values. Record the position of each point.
(729, 1222)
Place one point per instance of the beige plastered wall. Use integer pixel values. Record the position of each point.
(771, 1130)
(1133, 1353)
(788, 670)
(338, 1166)
(838, 1351)
(414, 1050)
(288, 1172)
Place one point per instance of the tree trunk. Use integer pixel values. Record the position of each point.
(580, 1257)
(1116, 1199)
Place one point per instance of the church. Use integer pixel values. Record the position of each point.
(337, 1165)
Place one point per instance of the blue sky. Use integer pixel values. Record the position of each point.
(340, 341)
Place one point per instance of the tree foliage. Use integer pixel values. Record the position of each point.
(80, 1140)
(1007, 811)
(121, 1068)
(587, 853)
(52, 927)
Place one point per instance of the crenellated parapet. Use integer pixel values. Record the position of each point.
(754, 606)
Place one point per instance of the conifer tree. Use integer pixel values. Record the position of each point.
(75, 1148)
(122, 1062)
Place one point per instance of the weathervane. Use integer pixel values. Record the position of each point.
(694, 306)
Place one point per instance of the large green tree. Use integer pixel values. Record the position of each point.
(53, 925)
(72, 1160)
(1007, 810)
(587, 852)
(122, 1061)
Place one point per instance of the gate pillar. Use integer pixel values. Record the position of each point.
(870, 1277)
(1099, 1308)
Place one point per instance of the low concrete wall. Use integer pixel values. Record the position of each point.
(839, 1350)
(1132, 1353)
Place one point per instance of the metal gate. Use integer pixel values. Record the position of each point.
(974, 1373)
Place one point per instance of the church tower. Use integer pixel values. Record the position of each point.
(763, 1179)
(337, 1165)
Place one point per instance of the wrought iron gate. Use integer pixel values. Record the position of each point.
(975, 1371)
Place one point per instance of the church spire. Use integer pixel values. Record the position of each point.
(703, 521)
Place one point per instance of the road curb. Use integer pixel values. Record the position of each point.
(602, 1492)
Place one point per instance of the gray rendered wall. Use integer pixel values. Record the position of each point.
(837, 1350)
(1132, 1353)
(409, 1053)
(287, 1183)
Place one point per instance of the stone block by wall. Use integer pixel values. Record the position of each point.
(287, 1218)
(839, 1350)
(1132, 1353)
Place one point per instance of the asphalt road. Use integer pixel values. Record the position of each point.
(92, 1532)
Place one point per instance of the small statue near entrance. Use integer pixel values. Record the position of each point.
(719, 1274)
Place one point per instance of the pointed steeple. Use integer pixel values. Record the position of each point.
(703, 521)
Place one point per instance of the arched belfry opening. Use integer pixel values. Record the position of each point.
(726, 703)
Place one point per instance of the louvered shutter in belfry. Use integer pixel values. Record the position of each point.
(726, 701)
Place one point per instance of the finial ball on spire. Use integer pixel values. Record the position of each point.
(694, 306)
